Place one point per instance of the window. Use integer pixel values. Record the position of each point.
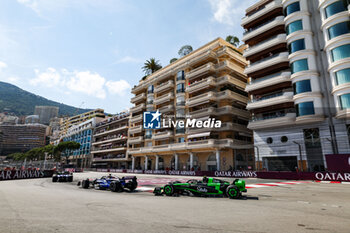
(341, 52)
(294, 26)
(180, 88)
(299, 65)
(150, 99)
(306, 108)
(269, 140)
(150, 89)
(312, 137)
(180, 113)
(180, 130)
(345, 101)
(284, 139)
(342, 76)
(302, 86)
(348, 130)
(296, 46)
(339, 29)
(148, 134)
(181, 140)
(180, 101)
(180, 75)
(291, 8)
(335, 8)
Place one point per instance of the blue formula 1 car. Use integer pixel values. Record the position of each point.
(113, 183)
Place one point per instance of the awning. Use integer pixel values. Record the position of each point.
(198, 135)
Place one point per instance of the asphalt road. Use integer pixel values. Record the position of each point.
(40, 206)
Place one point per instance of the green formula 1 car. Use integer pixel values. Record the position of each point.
(205, 187)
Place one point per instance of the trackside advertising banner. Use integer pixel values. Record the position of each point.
(322, 176)
(24, 174)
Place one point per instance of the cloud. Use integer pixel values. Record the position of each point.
(118, 87)
(86, 82)
(3, 65)
(128, 59)
(229, 12)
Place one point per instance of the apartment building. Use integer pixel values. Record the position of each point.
(110, 143)
(207, 83)
(81, 133)
(299, 81)
(75, 120)
(21, 138)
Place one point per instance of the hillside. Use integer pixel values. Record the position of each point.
(21, 102)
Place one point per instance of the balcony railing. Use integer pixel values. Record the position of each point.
(134, 140)
(204, 83)
(258, 80)
(138, 108)
(136, 129)
(138, 98)
(137, 118)
(162, 135)
(164, 86)
(201, 70)
(164, 98)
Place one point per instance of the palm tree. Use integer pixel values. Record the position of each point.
(233, 40)
(184, 50)
(151, 66)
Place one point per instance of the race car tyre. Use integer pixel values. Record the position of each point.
(133, 186)
(168, 190)
(54, 179)
(116, 187)
(85, 184)
(233, 192)
(70, 179)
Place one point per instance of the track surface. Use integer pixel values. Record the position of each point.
(38, 205)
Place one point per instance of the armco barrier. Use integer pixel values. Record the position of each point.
(321, 176)
(24, 174)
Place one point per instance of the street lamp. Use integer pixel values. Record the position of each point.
(257, 153)
(300, 156)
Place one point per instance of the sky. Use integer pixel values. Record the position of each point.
(89, 53)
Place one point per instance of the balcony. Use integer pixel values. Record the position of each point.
(112, 139)
(138, 108)
(167, 108)
(204, 69)
(201, 99)
(136, 119)
(135, 140)
(164, 98)
(228, 94)
(230, 52)
(164, 86)
(264, 45)
(343, 114)
(269, 80)
(202, 84)
(230, 66)
(229, 126)
(138, 88)
(274, 99)
(228, 79)
(162, 135)
(262, 11)
(109, 131)
(203, 112)
(268, 25)
(100, 150)
(233, 111)
(267, 62)
(272, 121)
(164, 75)
(138, 98)
(203, 56)
(136, 129)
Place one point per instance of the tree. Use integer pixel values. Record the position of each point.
(233, 40)
(173, 60)
(17, 156)
(62, 147)
(151, 66)
(184, 50)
